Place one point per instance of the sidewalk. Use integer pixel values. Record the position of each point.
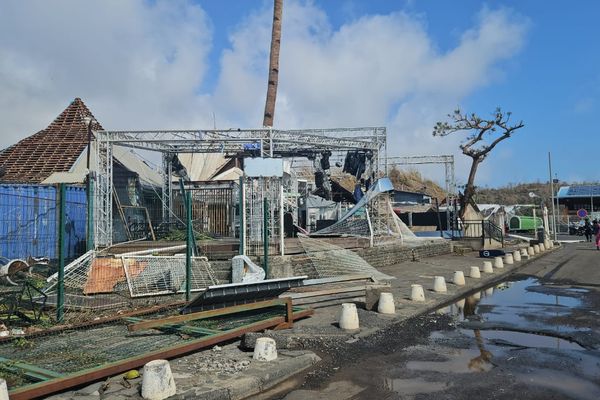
(230, 373)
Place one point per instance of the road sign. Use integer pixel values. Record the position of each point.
(582, 213)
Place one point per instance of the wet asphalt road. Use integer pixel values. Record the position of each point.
(535, 336)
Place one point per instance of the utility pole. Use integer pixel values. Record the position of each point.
(554, 226)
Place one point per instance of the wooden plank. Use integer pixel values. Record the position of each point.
(204, 314)
(326, 292)
(336, 279)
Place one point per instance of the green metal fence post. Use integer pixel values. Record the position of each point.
(60, 300)
(188, 248)
(242, 209)
(266, 237)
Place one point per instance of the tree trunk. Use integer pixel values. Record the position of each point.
(469, 188)
(273, 64)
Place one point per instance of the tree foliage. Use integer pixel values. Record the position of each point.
(483, 135)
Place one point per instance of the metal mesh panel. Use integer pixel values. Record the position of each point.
(329, 260)
(257, 190)
(152, 275)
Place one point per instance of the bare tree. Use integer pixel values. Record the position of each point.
(273, 64)
(483, 136)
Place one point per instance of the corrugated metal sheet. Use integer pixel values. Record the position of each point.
(28, 221)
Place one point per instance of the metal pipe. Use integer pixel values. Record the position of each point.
(60, 294)
(266, 236)
(188, 248)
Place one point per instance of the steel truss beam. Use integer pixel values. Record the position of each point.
(265, 143)
(447, 160)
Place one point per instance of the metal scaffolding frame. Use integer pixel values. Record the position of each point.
(447, 160)
(265, 142)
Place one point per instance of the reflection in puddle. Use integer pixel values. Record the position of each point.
(558, 381)
(520, 339)
(410, 387)
(459, 362)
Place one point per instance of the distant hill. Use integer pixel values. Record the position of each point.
(516, 194)
(413, 181)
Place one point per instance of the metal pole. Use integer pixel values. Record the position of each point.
(266, 236)
(90, 193)
(60, 295)
(554, 224)
(188, 247)
(90, 214)
(242, 208)
(535, 235)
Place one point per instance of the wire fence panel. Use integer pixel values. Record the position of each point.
(28, 221)
(156, 275)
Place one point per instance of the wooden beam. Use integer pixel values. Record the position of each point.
(204, 314)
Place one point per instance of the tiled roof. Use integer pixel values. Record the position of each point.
(54, 149)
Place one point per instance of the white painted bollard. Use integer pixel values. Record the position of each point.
(508, 259)
(439, 284)
(265, 349)
(476, 295)
(349, 317)
(551, 244)
(417, 293)
(542, 247)
(474, 272)
(498, 263)
(3, 390)
(458, 278)
(460, 304)
(386, 304)
(530, 251)
(536, 248)
(487, 267)
(524, 253)
(517, 256)
(157, 381)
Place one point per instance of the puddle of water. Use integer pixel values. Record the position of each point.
(498, 338)
(411, 387)
(524, 303)
(459, 361)
(570, 385)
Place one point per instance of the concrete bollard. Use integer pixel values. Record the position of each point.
(508, 259)
(542, 247)
(487, 267)
(3, 390)
(386, 304)
(476, 295)
(530, 251)
(439, 284)
(157, 381)
(349, 317)
(474, 272)
(498, 263)
(524, 253)
(458, 278)
(460, 304)
(417, 293)
(489, 292)
(517, 256)
(265, 349)
(536, 248)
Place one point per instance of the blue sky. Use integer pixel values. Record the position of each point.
(402, 64)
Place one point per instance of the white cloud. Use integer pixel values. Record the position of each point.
(141, 64)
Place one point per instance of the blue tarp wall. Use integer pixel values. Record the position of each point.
(29, 219)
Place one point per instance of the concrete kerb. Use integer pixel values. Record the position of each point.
(484, 282)
(276, 374)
